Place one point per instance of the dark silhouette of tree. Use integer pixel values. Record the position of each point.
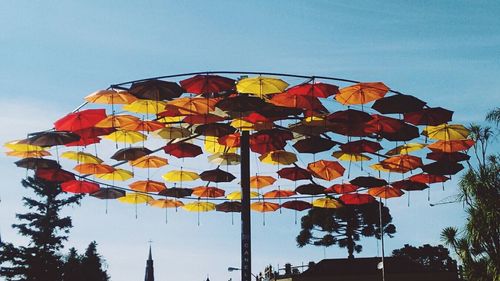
(72, 269)
(344, 226)
(433, 258)
(92, 265)
(40, 260)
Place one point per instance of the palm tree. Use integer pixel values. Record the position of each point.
(494, 116)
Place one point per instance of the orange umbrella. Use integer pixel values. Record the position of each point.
(362, 93)
(327, 203)
(207, 191)
(149, 161)
(231, 140)
(327, 170)
(166, 203)
(28, 154)
(111, 97)
(263, 206)
(297, 101)
(279, 193)
(261, 181)
(451, 145)
(342, 188)
(91, 168)
(194, 106)
(116, 121)
(147, 186)
(401, 163)
(139, 125)
(385, 192)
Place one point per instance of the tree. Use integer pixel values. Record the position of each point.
(72, 269)
(92, 265)
(46, 230)
(494, 116)
(478, 245)
(344, 226)
(433, 258)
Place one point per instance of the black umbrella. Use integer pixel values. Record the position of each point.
(368, 182)
(313, 145)
(442, 168)
(37, 163)
(216, 175)
(47, 139)
(156, 90)
(310, 189)
(108, 193)
(177, 192)
(131, 153)
(398, 104)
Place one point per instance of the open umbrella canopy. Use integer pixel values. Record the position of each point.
(116, 121)
(149, 161)
(116, 175)
(110, 96)
(313, 145)
(279, 193)
(278, 157)
(451, 145)
(409, 185)
(231, 140)
(126, 136)
(165, 203)
(108, 193)
(448, 156)
(182, 149)
(80, 120)
(145, 106)
(261, 181)
(428, 178)
(315, 89)
(156, 90)
(442, 168)
(135, 198)
(81, 157)
(54, 175)
(398, 104)
(327, 170)
(172, 133)
(298, 101)
(147, 186)
(295, 174)
(199, 206)
(361, 146)
(431, 116)
(180, 176)
(79, 186)
(407, 132)
(401, 163)
(263, 206)
(215, 129)
(385, 192)
(92, 169)
(194, 106)
(236, 195)
(224, 159)
(229, 207)
(217, 175)
(352, 157)
(310, 189)
(23, 147)
(177, 192)
(327, 203)
(446, 132)
(141, 125)
(51, 138)
(28, 154)
(342, 188)
(356, 199)
(405, 148)
(382, 124)
(368, 181)
(362, 93)
(297, 205)
(37, 163)
(130, 153)
(207, 84)
(208, 191)
(261, 86)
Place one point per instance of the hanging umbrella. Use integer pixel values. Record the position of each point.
(147, 186)
(37, 163)
(83, 142)
(176, 192)
(264, 143)
(180, 176)
(409, 185)
(236, 195)
(298, 101)
(92, 169)
(182, 149)
(261, 86)
(382, 124)
(149, 161)
(327, 170)
(385, 192)
(194, 106)
(402, 163)
(448, 156)
(318, 89)
(342, 188)
(145, 126)
(231, 140)
(79, 186)
(52, 138)
(207, 84)
(229, 207)
(432, 116)
(297, 205)
(135, 198)
(215, 129)
(255, 118)
(278, 157)
(295, 174)
(224, 159)
(23, 147)
(80, 120)
(310, 189)
(90, 136)
(405, 149)
(352, 157)
(199, 206)
(208, 192)
(166, 203)
(126, 136)
(240, 103)
(213, 146)
(259, 182)
(279, 193)
(54, 175)
(28, 154)
(313, 145)
(428, 178)
(451, 145)
(398, 104)
(156, 90)
(108, 193)
(349, 116)
(130, 153)
(172, 133)
(145, 106)
(368, 182)
(110, 96)
(116, 121)
(362, 93)
(116, 175)
(446, 132)
(264, 207)
(81, 157)
(361, 146)
(327, 203)
(407, 132)
(356, 199)
(442, 168)
(216, 175)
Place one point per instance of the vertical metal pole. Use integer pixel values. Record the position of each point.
(381, 237)
(246, 251)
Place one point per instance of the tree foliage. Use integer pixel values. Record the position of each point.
(433, 258)
(344, 226)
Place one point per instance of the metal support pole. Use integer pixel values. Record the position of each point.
(381, 237)
(246, 251)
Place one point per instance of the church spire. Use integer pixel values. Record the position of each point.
(149, 267)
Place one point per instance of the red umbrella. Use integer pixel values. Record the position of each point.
(229, 207)
(217, 175)
(203, 119)
(448, 156)
(156, 90)
(327, 170)
(361, 146)
(207, 84)
(208, 191)
(84, 142)
(231, 140)
(385, 192)
(54, 175)
(319, 90)
(313, 145)
(356, 199)
(384, 124)
(79, 186)
(37, 163)
(298, 101)
(80, 120)
(90, 136)
(310, 189)
(297, 205)
(255, 117)
(342, 188)
(442, 168)
(182, 149)
(269, 140)
(349, 116)
(295, 174)
(398, 104)
(429, 116)
(428, 178)
(368, 182)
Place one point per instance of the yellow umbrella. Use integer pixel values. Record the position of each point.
(261, 86)
(224, 159)
(180, 176)
(166, 203)
(135, 198)
(259, 182)
(126, 136)
(242, 124)
(170, 119)
(405, 148)
(111, 97)
(236, 195)
(213, 146)
(172, 133)
(199, 206)
(278, 157)
(16, 146)
(353, 157)
(446, 132)
(194, 106)
(380, 167)
(116, 121)
(147, 186)
(327, 203)
(145, 106)
(116, 175)
(149, 161)
(28, 154)
(81, 157)
(263, 206)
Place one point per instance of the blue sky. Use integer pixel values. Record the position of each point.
(54, 53)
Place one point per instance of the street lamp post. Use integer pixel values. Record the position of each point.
(231, 269)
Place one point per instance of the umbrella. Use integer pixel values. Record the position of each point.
(401, 163)
(327, 170)
(432, 116)
(362, 93)
(145, 106)
(37, 163)
(206, 84)
(327, 203)
(368, 182)
(407, 132)
(236, 195)
(298, 101)
(92, 169)
(172, 133)
(156, 90)
(231, 140)
(451, 145)
(448, 156)
(224, 159)
(54, 175)
(149, 161)
(261, 86)
(80, 120)
(28, 154)
(229, 207)
(135, 198)
(52, 138)
(307, 130)
(318, 89)
(446, 132)
(313, 145)
(79, 186)
(405, 149)
(182, 149)
(428, 178)
(180, 176)
(256, 118)
(126, 136)
(261, 181)
(147, 186)
(110, 96)
(264, 207)
(215, 129)
(145, 126)
(278, 157)
(297, 205)
(199, 206)
(352, 157)
(176, 192)
(280, 193)
(382, 124)
(398, 104)
(349, 116)
(212, 145)
(294, 174)
(264, 143)
(116, 121)
(81, 157)
(130, 153)
(409, 185)
(216, 175)
(194, 106)
(241, 103)
(93, 132)
(361, 146)
(208, 191)
(442, 168)
(116, 175)
(23, 147)
(356, 199)
(166, 203)
(342, 188)
(310, 189)
(385, 192)
(108, 193)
